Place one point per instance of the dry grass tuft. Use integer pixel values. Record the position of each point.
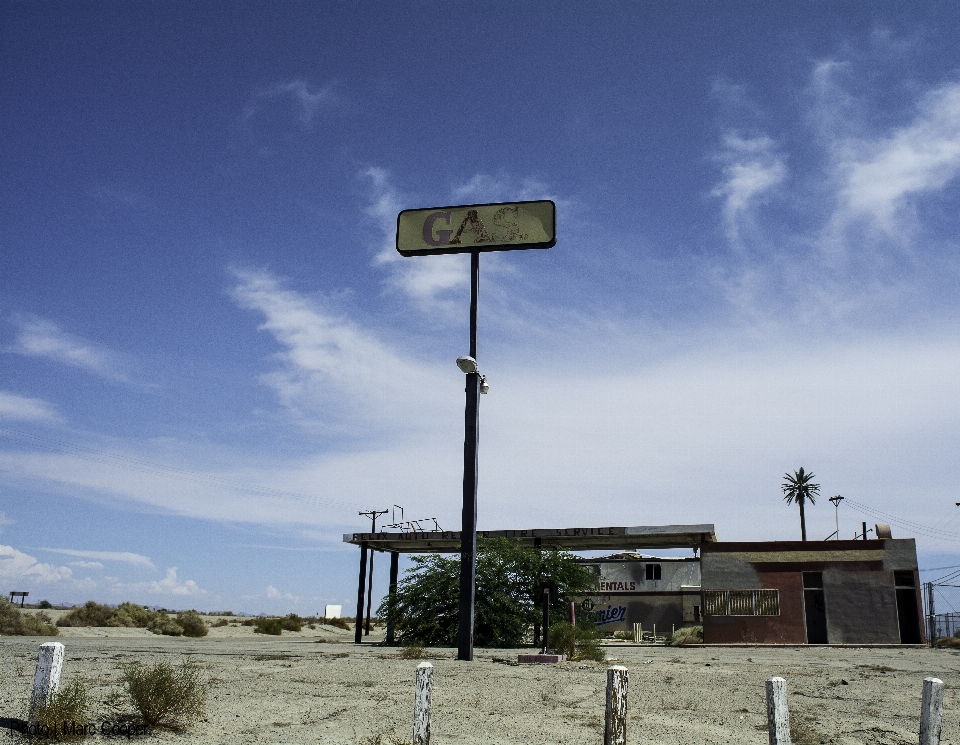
(412, 652)
(688, 635)
(165, 696)
(65, 717)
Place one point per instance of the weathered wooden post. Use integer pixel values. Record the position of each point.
(931, 711)
(46, 679)
(421, 706)
(778, 716)
(615, 727)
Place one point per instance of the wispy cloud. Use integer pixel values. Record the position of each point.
(274, 594)
(121, 556)
(752, 169)
(307, 98)
(86, 564)
(879, 176)
(4, 521)
(39, 337)
(331, 368)
(20, 408)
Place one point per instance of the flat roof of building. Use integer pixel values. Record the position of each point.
(570, 539)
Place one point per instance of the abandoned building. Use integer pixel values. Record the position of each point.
(633, 588)
(812, 592)
(765, 592)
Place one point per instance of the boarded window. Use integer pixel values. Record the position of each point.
(653, 571)
(742, 602)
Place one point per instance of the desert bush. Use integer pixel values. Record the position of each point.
(14, 622)
(249, 622)
(336, 622)
(192, 624)
(949, 642)
(272, 626)
(167, 696)
(163, 624)
(219, 623)
(65, 717)
(46, 604)
(277, 626)
(581, 642)
(688, 635)
(90, 613)
(412, 652)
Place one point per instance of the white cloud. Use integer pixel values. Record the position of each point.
(425, 280)
(42, 338)
(170, 585)
(21, 408)
(18, 567)
(274, 594)
(752, 168)
(880, 176)
(86, 564)
(4, 521)
(122, 556)
(331, 368)
(307, 99)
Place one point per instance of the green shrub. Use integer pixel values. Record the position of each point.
(14, 622)
(293, 622)
(688, 635)
(166, 696)
(576, 642)
(90, 613)
(192, 624)
(219, 623)
(46, 604)
(272, 626)
(65, 717)
(249, 622)
(424, 610)
(163, 624)
(336, 622)
(412, 652)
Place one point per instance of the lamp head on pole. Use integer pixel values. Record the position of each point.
(467, 365)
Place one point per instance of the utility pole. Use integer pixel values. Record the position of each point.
(373, 515)
(836, 504)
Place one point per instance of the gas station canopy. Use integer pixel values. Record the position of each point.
(569, 539)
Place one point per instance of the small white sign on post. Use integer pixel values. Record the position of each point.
(778, 716)
(421, 705)
(46, 679)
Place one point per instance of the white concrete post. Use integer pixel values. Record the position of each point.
(421, 706)
(46, 679)
(637, 633)
(931, 711)
(778, 716)
(615, 727)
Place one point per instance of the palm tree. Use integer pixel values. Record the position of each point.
(797, 488)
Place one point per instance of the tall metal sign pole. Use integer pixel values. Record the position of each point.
(474, 229)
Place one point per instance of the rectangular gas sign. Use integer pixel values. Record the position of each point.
(507, 226)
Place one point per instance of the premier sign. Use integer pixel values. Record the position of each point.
(477, 227)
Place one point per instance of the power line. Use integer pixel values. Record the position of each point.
(910, 525)
(141, 465)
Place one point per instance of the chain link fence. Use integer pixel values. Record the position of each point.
(942, 609)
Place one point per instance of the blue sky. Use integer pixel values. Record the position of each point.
(213, 357)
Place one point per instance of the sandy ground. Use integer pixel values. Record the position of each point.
(317, 686)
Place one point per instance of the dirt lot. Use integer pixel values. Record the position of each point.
(317, 686)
